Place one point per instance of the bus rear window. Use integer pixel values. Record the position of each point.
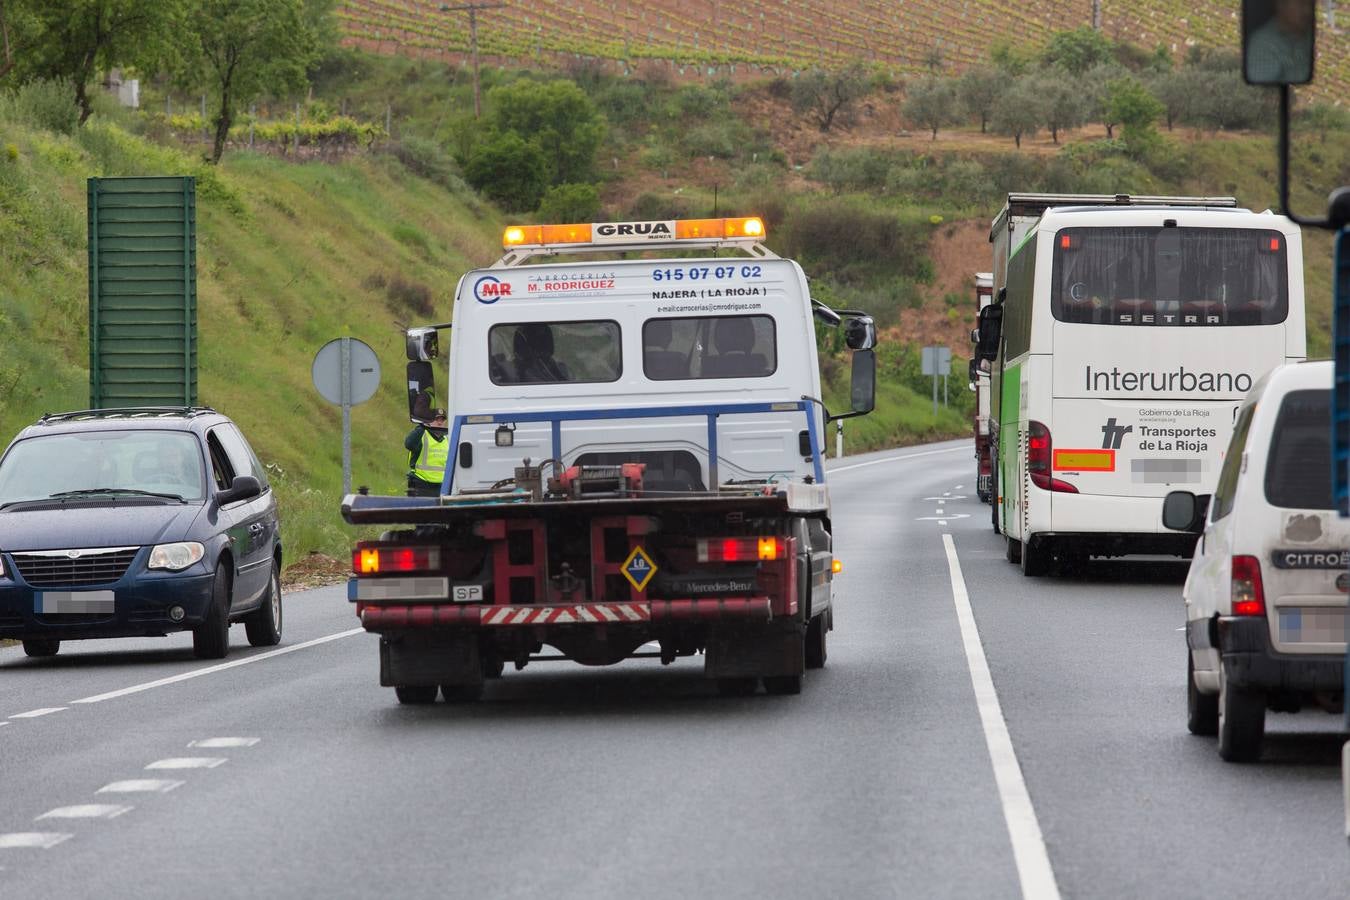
(554, 353)
(1298, 472)
(1170, 276)
(715, 347)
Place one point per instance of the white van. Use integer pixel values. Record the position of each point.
(1266, 592)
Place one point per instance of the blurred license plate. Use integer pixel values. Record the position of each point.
(1312, 625)
(86, 602)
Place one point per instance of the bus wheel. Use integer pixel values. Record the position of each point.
(1036, 557)
(1013, 551)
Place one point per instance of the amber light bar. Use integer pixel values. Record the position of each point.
(600, 233)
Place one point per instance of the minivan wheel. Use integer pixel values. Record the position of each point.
(41, 647)
(264, 625)
(1242, 721)
(211, 639)
(1202, 710)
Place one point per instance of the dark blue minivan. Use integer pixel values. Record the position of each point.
(134, 522)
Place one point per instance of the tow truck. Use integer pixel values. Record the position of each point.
(635, 465)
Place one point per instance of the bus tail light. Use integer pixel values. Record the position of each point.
(1040, 451)
(383, 560)
(1249, 598)
(741, 549)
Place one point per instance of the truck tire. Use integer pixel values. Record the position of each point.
(416, 694)
(1036, 558)
(1202, 710)
(815, 641)
(1242, 721)
(211, 639)
(264, 625)
(1012, 552)
(41, 647)
(737, 687)
(783, 685)
(462, 693)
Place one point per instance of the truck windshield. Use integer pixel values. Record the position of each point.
(554, 353)
(1170, 276)
(1298, 472)
(715, 347)
(159, 462)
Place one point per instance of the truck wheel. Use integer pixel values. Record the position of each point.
(1202, 710)
(462, 693)
(1242, 721)
(41, 647)
(418, 694)
(1036, 558)
(815, 642)
(737, 687)
(993, 511)
(264, 626)
(211, 639)
(783, 685)
(1013, 551)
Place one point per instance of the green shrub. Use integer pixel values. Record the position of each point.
(861, 169)
(570, 203)
(426, 159)
(49, 105)
(509, 171)
(722, 138)
(854, 243)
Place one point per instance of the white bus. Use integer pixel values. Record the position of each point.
(1122, 342)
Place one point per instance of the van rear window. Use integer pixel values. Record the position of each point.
(714, 347)
(554, 353)
(1298, 472)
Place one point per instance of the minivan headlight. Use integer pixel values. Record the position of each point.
(176, 557)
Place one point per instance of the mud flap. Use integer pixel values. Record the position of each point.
(777, 650)
(425, 659)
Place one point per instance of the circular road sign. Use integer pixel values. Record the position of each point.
(362, 364)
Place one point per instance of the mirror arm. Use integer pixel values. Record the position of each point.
(823, 408)
(1286, 94)
(848, 415)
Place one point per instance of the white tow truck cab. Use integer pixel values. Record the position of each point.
(1266, 592)
(635, 456)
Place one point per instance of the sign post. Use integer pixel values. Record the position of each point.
(937, 361)
(346, 372)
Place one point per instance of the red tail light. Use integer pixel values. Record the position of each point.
(377, 560)
(1249, 598)
(1040, 450)
(741, 549)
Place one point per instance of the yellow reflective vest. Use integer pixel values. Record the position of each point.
(431, 460)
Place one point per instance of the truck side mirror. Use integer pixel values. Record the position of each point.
(421, 391)
(863, 386)
(423, 344)
(1277, 41)
(974, 373)
(991, 325)
(860, 333)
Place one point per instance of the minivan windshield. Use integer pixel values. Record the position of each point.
(1298, 472)
(167, 463)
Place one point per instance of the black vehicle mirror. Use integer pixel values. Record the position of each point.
(1184, 511)
(991, 325)
(244, 487)
(421, 391)
(1278, 37)
(863, 387)
(423, 344)
(973, 369)
(860, 333)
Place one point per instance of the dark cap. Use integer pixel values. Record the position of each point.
(438, 413)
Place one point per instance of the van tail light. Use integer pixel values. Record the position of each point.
(1249, 598)
(1040, 450)
(370, 559)
(741, 549)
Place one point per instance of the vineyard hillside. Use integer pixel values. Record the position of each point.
(764, 38)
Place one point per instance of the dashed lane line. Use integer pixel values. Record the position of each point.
(37, 840)
(34, 713)
(1034, 871)
(141, 786)
(189, 762)
(211, 670)
(219, 743)
(87, 811)
(877, 462)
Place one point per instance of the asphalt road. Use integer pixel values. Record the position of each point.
(886, 777)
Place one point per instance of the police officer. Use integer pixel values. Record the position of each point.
(428, 451)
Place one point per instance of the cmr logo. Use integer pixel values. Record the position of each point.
(632, 232)
(490, 289)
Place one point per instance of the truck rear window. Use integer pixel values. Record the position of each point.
(554, 353)
(1170, 276)
(1298, 472)
(713, 347)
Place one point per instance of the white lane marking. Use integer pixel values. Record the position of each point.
(34, 713)
(86, 811)
(942, 521)
(221, 742)
(188, 762)
(141, 786)
(958, 487)
(877, 462)
(4, 723)
(1033, 861)
(209, 670)
(43, 840)
(940, 518)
